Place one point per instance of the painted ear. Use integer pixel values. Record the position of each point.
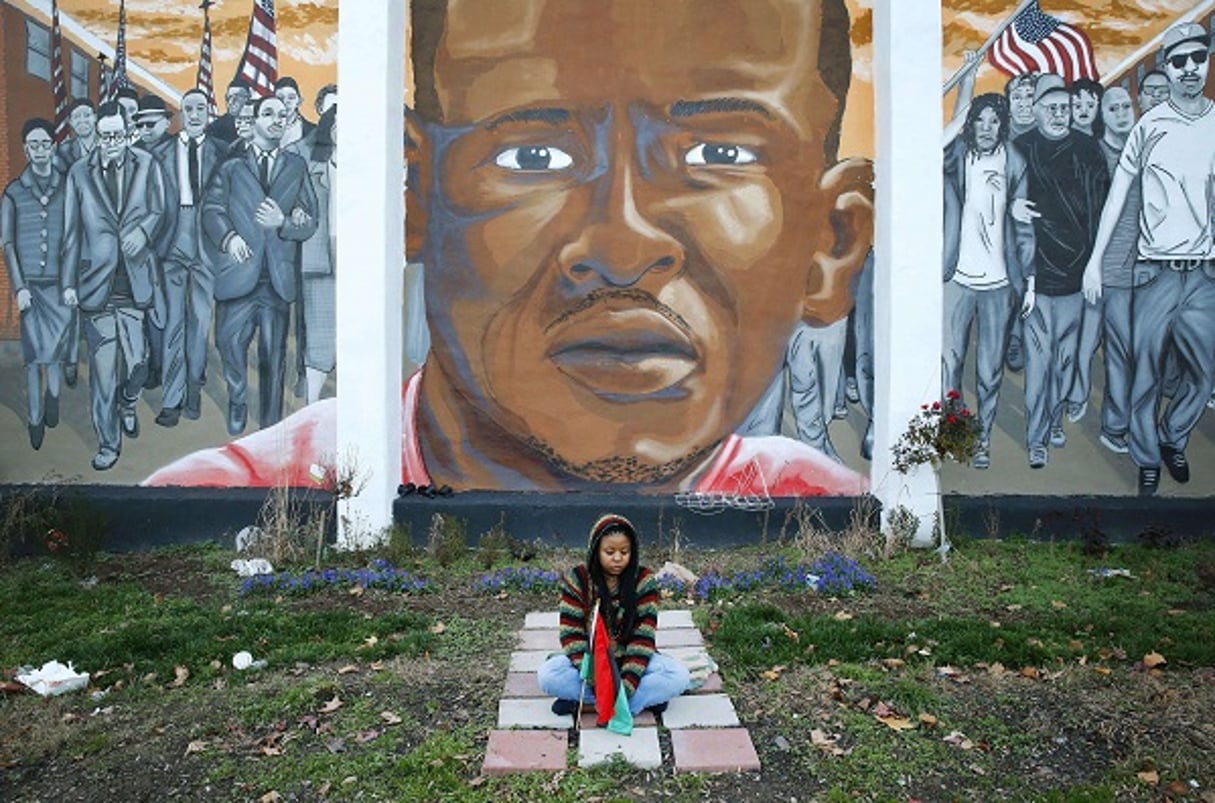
(849, 189)
(417, 184)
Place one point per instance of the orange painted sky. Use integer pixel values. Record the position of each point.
(164, 36)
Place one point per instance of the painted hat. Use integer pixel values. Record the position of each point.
(1048, 82)
(1180, 34)
(151, 106)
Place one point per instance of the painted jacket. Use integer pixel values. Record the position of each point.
(285, 452)
(634, 648)
(1018, 237)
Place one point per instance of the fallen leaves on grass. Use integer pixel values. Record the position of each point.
(958, 739)
(196, 746)
(1153, 660)
(438, 628)
(774, 672)
(348, 669)
(334, 704)
(827, 744)
(180, 675)
(390, 718)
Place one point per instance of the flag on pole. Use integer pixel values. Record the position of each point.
(1039, 42)
(600, 670)
(58, 85)
(259, 64)
(204, 81)
(103, 89)
(118, 73)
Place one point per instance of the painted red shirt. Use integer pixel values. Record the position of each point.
(285, 453)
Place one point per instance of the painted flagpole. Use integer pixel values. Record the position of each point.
(991, 40)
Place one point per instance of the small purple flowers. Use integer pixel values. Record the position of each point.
(380, 574)
(525, 579)
(832, 574)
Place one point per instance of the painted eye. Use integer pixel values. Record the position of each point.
(533, 157)
(707, 153)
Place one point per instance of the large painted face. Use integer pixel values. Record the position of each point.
(617, 257)
(987, 130)
(1054, 114)
(244, 122)
(111, 138)
(235, 99)
(1153, 92)
(1084, 110)
(1021, 104)
(290, 97)
(83, 121)
(1186, 66)
(1117, 112)
(152, 128)
(194, 113)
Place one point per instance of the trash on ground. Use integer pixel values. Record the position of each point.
(244, 660)
(252, 567)
(1103, 572)
(54, 679)
(247, 537)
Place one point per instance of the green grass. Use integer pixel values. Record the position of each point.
(121, 627)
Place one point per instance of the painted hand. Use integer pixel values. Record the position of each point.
(134, 241)
(269, 214)
(238, 249)
(1023, 211)
(24, 299)
(69, 296)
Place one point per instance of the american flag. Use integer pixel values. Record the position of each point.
(204, 81)
(1038, 42)
(259, 64)
(118, 73)
(58, 85)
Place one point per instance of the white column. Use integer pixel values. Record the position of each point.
(370, 260)
(907, 67)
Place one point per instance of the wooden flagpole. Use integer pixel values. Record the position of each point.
(991, 40)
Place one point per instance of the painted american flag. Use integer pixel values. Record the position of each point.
(1039, 42)
(204, 81)
(259, 64)
(58, 85)
(118, 73)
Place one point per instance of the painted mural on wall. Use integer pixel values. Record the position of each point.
(165, 227)
(1079, 267)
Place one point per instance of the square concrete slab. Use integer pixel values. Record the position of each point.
(525, 751)
(640, 749)
(678, 637)
(674, 619)
(522, 684)
(542, 619)
(712, 685)
(537, 639)
(714, 750)
(643, 720)
(527, 660)
(700, 711)
(535, 712)
(686, 654)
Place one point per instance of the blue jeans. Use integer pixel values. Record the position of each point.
(664, 679)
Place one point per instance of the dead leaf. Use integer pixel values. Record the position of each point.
(958, 739)
(1075, 645)
(331, 706)
(1149, 777)
(480, 779)
(196, 746)
(503, 595)
(1030, 672)
(366, 736)
(1058, 604)
(376, 666)
(270, 750)
(1016, 606)
(843, 616)
(390, 718)
(270, 797)
(356, 591)
(1102, 670)
(929, 720)
(336, 746)
(348, 669)
(897, 723)
(438, 628)
(180, 675)
(894, 663)
(774, 672)
(369, 642)
(1153, 659)
(828, 744)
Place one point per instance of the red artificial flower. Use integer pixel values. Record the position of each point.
(953, 419)
(936, 405)
(953, 394)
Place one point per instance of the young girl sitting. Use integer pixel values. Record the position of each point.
(627, 594)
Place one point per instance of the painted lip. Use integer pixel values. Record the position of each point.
(622, 352)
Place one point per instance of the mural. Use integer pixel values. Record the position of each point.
(656, 278)
(1078, 240)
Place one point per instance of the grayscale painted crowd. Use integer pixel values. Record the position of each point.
(150, 246)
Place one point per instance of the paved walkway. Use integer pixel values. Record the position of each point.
(699, 731)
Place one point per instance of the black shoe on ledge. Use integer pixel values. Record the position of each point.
(1176, 463)
(1149, 480)
(563, 707)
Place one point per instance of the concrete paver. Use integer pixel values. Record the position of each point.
(640, 749)
(675, 619)
(535, 712)
(522, 684)
(547, 620)
(536, 639)
(678, 637)
(527, 660)
(713, 750)
(700, 711)
(525, 751)
(643, 720)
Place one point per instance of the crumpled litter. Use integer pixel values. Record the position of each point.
(252, 567)
(1103, 572)
(53, 678)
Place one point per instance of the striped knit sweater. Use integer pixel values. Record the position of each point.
(633, 650)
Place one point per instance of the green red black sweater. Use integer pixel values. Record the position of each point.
(633, 650)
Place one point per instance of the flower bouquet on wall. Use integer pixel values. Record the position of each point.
(942, 430)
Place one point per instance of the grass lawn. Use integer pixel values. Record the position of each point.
(1014, 671)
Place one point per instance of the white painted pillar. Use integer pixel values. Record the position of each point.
(907, 67)
(370, 260)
